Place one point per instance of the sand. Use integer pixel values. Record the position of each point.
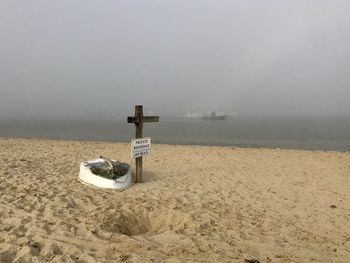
(198, 204)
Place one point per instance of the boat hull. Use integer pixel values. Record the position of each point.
(88, 178)
(214, 118)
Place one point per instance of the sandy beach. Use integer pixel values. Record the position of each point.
(198, 204)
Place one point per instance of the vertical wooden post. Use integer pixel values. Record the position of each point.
(138, 134)
(138, 119)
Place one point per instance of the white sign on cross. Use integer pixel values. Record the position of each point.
(140, 147)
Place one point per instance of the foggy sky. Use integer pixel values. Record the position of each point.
(78, 57)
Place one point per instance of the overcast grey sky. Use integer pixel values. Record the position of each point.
(78, 57)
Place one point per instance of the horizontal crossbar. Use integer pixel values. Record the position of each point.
(133, 119)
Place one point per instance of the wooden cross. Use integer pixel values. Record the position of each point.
(139, 119)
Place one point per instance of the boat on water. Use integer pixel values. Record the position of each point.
(214, 117)
(191, 115)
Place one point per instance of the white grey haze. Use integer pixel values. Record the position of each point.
(74, 58)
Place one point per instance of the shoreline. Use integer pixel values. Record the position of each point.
(242, 146)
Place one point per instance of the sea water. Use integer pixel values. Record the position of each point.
(294, 133)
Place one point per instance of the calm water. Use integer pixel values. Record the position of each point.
(326, 134)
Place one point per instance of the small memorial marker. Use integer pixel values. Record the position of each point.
(138, 120)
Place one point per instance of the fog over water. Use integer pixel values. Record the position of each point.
(90, 59)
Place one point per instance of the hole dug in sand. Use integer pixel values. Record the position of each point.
(133, 223)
